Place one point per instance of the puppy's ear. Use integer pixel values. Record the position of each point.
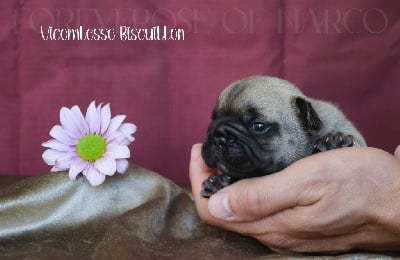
(307, 115)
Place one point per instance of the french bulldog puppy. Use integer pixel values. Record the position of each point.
(261, 124)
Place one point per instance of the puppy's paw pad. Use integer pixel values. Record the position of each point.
(333, 141)
(214, 183)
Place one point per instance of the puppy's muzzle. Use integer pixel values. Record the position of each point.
(231, 143)
(223, 136)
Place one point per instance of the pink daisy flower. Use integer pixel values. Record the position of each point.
(95, 145)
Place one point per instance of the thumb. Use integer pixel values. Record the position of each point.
(255, 198)
(397, 152)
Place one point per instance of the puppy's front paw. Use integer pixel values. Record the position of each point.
(332, 141)
(214, 183)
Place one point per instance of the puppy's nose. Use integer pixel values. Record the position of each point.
(222, 136)
(220, 141)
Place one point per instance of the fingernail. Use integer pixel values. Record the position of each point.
(218, 205)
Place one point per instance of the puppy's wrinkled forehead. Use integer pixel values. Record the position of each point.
(265, 95)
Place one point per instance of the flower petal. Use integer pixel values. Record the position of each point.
(123, 139)
(55, 169)
(77, 166)
(94, 177)
(106, 166)
(105, 113)
(64, 162)
(117, 151)
(50, 156)
(113, 136)
(92, 118)
(114, 124)
(128, 128)
(80, 121)
(56, 145)
(60, 134)
(69, 122)
(122, 165)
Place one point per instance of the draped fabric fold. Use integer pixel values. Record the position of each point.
(137, 215)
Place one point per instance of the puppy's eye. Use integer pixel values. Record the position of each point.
(259, 127)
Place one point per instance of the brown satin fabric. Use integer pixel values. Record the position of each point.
(138, 215)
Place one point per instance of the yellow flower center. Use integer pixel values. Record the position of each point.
(91, 147)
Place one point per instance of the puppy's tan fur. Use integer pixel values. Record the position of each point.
(273, 97)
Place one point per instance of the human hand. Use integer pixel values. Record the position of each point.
(397, 152)
(329, 202)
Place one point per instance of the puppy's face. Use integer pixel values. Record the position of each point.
(255, 128)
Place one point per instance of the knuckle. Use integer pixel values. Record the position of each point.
(257, 201)
(276, 241)
(250, 201)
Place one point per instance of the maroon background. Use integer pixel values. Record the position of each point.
(343, 51)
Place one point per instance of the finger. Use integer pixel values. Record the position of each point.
(199, 172)
(397, 152)
(283, 242)
(255, 198)
(369, 238)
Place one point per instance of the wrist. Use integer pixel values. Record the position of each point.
(386, 218)
(381, 178)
